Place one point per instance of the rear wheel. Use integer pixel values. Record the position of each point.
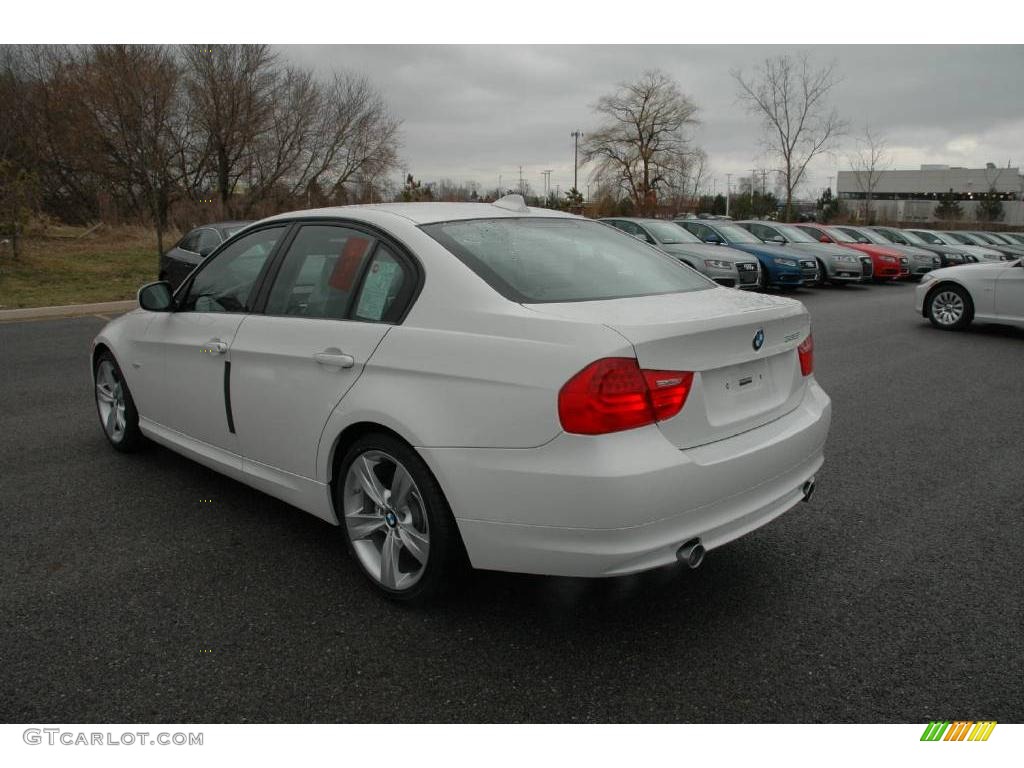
(115, 406)
(950, 308)
(395, 518)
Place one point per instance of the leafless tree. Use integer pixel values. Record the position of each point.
(868, 161)
(643, 139)
(232, 88)
(131, 108)
(790, 96)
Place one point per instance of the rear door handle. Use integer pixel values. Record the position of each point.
(214, 347)
(335, 359)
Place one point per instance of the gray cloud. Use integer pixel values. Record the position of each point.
(474, 112)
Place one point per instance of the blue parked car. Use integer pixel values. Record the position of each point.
(779, 268)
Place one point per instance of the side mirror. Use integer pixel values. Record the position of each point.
(825, 239)
(713, 239)
(205, 251)
(156, 297)
(776, 239)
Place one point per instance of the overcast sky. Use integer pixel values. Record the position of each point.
(474, 112)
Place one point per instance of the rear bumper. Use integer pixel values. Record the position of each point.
(623, 503)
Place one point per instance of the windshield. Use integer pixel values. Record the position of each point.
(668, 233)
(534, 260)
(737, 234)
(892, 236)
(874, 237)
(960, 238)
(1014, 237)
(856, 235)
(911, 238)
(795, 234)
(929, 237)
(839, 235)
(989, 237)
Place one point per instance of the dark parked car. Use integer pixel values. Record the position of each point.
(194, 247)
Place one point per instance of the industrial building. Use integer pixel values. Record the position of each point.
(912, 196)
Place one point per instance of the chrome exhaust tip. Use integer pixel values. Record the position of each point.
(691, 554)
(808, 489)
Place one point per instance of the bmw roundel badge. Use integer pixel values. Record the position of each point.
(759, 339)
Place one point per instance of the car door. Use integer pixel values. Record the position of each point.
(336, 293)
(193, 342)
(1009, 301)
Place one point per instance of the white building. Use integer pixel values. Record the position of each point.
(912, 196)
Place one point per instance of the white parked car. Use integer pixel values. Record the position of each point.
(539, 390)
(990, 291)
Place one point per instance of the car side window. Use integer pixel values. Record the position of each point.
(226, 283)
(386, 288)
(208, 240)
(628, 227)
(190, 242)
(762, 231)
(318, 275)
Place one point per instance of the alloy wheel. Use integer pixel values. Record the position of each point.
(947, 308)
(110, 398)
(386, 520)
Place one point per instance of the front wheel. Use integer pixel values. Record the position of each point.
(395, 518)
(950, 308)
(115, 406)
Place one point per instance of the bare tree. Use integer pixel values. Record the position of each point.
(643, 140)
(790, 96)
(232, 88)
(868, 162)
(131, 103)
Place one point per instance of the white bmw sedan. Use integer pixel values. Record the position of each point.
(991, 291)
(533, 390)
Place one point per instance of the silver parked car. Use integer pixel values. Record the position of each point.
(919, 260)
(726, 266)
(949, 255)
(836, 265)
(981, 253)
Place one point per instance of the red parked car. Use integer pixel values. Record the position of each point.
(886, 263)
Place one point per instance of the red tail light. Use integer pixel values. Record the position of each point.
(806, 352)
(614, 393)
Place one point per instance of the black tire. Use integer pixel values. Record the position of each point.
(128, 438)
(822, 275)
(940, 308)
(446, 557)
(762, 279)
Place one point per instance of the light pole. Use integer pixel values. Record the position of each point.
(728, 191)
(576, 159)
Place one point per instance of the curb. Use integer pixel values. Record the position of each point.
(71, 310)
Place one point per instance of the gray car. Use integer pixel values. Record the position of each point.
(919, 260)
(949, 255)
(836, 265)
(726, 266)
(1005, 247)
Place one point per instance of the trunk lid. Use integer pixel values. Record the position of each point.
(736, 387)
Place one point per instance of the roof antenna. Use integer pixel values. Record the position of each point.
(514, 203)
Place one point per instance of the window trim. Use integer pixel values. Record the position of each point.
(186, 285)
(402, 252)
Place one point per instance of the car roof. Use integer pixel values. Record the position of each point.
(425, 213)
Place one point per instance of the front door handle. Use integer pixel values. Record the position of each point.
(214, 347)
(335, 359)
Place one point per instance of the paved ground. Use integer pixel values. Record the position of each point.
(896, 595)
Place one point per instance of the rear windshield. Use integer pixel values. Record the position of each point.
(535, 260)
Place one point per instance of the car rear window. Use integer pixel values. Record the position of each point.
(536, 260)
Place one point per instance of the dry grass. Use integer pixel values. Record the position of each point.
(59, 266)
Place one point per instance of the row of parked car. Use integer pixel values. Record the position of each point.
(768, 254)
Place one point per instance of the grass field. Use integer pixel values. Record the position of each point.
(66, 266)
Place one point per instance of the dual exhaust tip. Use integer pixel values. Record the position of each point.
(691, 553)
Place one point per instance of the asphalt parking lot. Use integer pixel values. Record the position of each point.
(148, 588)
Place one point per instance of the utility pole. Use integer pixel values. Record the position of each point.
(753, 183)
(521, 181)
(728, 191)
(576, 159)
(547, 186)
